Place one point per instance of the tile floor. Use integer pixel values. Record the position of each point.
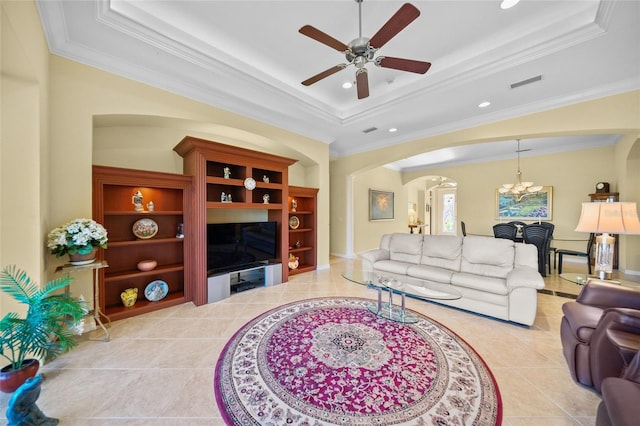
(158, 368)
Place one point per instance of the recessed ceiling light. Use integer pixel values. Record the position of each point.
(393, 129)
(508, 4)
(484, 104)
(347, 85)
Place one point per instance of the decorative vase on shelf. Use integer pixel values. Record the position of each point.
(129, 297)
(78, 259)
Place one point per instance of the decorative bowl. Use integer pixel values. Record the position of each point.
(147, 265)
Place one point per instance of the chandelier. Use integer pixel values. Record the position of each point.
(519, 189)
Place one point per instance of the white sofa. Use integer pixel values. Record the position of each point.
(495, 276)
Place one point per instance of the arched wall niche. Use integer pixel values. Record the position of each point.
(147, 141)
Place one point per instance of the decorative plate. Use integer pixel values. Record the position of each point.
(250, 183)
(294, 222)
(145, 228)
(156, 290)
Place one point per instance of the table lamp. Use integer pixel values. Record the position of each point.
(607, 218)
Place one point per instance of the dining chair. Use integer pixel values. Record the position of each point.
(539, 236)
(549, 250)
(587, 253)
(505, 230)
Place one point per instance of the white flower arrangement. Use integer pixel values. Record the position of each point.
(78, 236)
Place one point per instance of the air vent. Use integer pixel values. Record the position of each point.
(370, 129)
(527, 81)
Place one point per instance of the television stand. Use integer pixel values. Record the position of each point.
(221, 285)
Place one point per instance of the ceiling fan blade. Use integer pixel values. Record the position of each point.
(323, 38)
(323, 74)
(403, 17)
(410, 65)
(362, 83)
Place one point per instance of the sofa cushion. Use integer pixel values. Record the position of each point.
(430, 273)
(526, 255)
(442, 251)
(405, 248)
(483, 283)
(385, 241)
(392, 266)
(487, 256)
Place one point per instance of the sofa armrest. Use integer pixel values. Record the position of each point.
(372, 256)
(605, 295)
(524, 276)
(605, 359)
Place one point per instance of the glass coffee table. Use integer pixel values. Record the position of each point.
(426, 290)
(581, 279)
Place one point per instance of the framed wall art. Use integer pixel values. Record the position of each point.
(380, 205)
(536, 206)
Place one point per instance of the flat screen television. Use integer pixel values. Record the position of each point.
(235, 246)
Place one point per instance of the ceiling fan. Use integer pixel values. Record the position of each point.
(361, 50)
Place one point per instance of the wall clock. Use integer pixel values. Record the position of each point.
(602, 187)
(250, 183)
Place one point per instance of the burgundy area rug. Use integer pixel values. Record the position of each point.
(331, 361)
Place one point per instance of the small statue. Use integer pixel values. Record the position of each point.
(294, 204)
(180, 233)
(227, 172)
(22, 409)
(223, 197)
(229, 198)
(150, 206)
(265, 199)
(136, 200)
(265, 179)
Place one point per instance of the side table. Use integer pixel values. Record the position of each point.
(97, 313)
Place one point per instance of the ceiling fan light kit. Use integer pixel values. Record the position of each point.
(362, 50)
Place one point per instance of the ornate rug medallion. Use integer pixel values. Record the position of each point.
(331, 361)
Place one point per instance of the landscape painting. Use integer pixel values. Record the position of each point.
(536, 206)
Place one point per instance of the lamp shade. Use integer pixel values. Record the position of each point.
(611, 218)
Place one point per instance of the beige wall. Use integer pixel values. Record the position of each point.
(23, 143)
(367, 232)
(573, 175)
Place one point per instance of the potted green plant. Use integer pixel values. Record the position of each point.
(79, 239)
(46, 331)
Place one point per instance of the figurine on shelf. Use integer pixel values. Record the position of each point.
(223, 197)
(265, 179)
(294, 204)
(136, 200)
(150, 206)
(294, 262)
(229, 198)
(265, 199)
(227, 172)
(298, 244)
(180, 233)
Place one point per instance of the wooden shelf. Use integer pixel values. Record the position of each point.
(171, 195)
(306, 233)
(207, 162)
(116, 312)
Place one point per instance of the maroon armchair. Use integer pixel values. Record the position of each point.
(620, 396)
(590, 355)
